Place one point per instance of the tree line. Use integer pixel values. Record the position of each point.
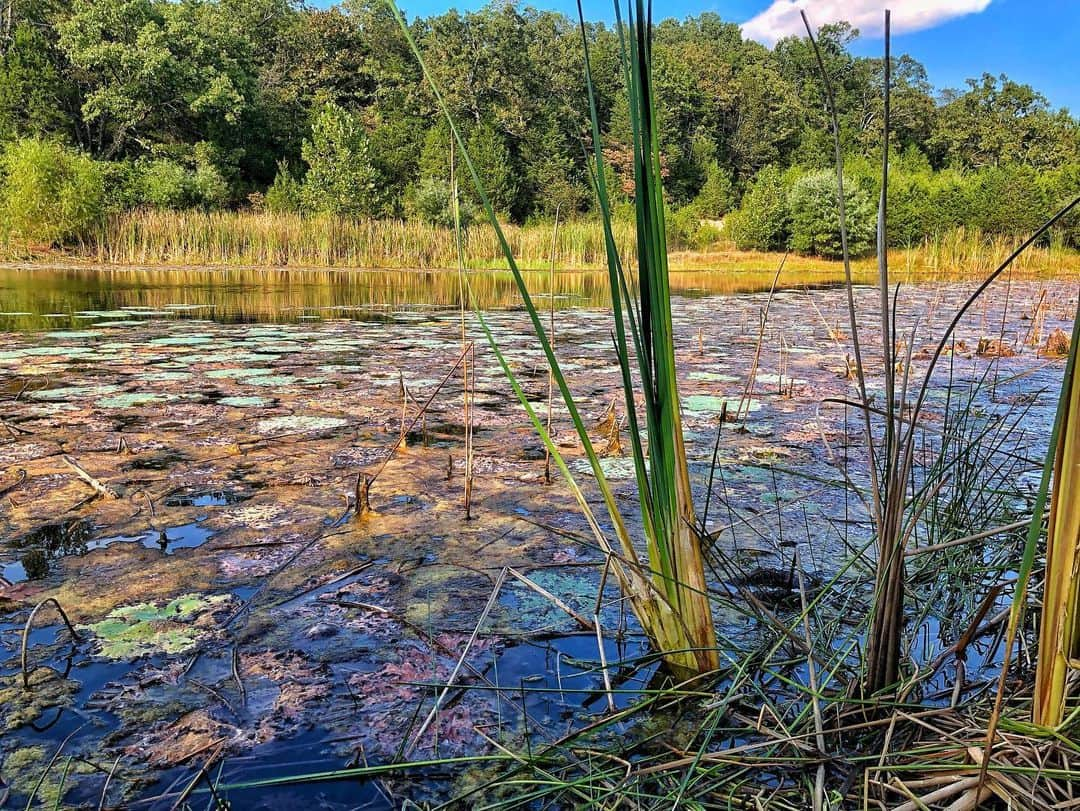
(111, 105)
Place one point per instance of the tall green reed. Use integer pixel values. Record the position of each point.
(668, 593)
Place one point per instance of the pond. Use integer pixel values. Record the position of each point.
(180, 462)
(36, 297)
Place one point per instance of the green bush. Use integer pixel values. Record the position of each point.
(762, 221)
(51, 194)
(208, 184)
(815, 216)
(431, 201)
(163, 183)
(285, 194)
(1060, 188)
(1006, 200)
(687, 231)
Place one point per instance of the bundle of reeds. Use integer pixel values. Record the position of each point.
(1059, 633)
(668, 594)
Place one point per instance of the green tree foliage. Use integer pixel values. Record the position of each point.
(717, 194)
(198, 103)
(34, 95)
(50, 193)
(341, 178)
(763, 221)
(815, 216)
(1001, 121)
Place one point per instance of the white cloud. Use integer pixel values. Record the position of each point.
(781, 19)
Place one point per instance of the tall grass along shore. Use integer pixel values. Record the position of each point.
(266, 239)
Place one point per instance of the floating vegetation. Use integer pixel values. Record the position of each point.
(133, 631)
(291, 424)
(714, 404)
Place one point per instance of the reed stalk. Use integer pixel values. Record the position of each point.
(668, 595)
(1059, 632)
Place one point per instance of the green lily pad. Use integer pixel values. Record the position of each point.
(131, 399)
(245, 402)
(273, 425)
(132, 631)
(711, 404)
(181, 340)
(239, 372)
(714, 377)
(73, 392)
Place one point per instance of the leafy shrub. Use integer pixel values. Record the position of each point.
(286, 192)
(163, 183)
(1006, 200)
(431, 200)
(763, 220)
(815, 216)
(687, 231)
(208, 184)
(1061, 188)
(51, 194)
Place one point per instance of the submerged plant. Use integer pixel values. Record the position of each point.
(668, 595)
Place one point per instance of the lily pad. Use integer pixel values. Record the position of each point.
(273, 425)
(712, 404)
(245, 402)
(132, 631)
(239, 372)
(131, 399)
(714, 377)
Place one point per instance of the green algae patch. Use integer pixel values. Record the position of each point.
(19, 706)
(132, 631)
(23, 768)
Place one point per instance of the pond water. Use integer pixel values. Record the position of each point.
(179, 463)
(82, 297)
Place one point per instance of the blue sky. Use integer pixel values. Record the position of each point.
(1033, 41)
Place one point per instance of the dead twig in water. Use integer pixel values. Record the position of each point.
(26, 633)
(370, 480)
(103, 489)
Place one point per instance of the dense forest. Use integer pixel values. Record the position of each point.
(113, 105)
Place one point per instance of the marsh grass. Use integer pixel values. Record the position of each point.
(248, 238)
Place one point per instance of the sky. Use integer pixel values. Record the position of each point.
(1033, 41)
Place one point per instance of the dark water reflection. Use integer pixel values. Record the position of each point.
(64, 298)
